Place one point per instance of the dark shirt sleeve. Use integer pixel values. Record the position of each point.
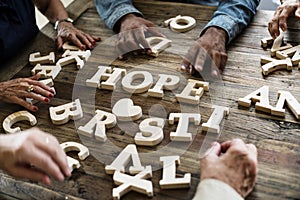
(17, 26)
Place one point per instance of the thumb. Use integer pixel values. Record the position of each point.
(297, 13)
(214, 150)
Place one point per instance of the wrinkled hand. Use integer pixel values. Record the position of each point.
(288, 8)
(17, 90)
(133, 33)
(211, 45)
(67, 32)
(34, 155)
(237, 166)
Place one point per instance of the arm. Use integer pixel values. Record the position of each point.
(227, 22)
(123, 17)
(228, 171)
(284, 11)
(55, 11)
(111, 11)
(233, 16)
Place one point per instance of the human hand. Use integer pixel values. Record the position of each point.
(211, 45)
(33, 154)
(133, 33)
(237, 166)
(288, 8)
(67, 32)
(17, 90)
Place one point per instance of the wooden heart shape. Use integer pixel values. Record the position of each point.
(125, 110)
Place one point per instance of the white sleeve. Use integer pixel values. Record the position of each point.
(213, 189)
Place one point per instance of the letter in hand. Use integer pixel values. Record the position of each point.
(232, 162)
(33, 154)
(133, 33)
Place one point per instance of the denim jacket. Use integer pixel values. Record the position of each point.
(232, 15)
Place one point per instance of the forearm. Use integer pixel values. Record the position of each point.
(111, 11)
(209, 189)
(233, 16)
(53, 9)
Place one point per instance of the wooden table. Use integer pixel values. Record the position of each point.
(277, 139)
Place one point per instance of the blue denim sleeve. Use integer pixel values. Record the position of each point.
(113, 10)
(233, 16)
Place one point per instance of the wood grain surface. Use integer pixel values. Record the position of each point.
(277, 139)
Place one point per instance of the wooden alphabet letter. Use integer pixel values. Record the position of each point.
(167, 82)
(129, 152)
(183, 119)
(139, 88)
(151, 132)
(74, 146)
(136, 183)
(84, 55)
(108, 76)
(16, 117)
(182, 23)
(213, 124)
(192, 92)
(276, 65)
(36, 58)
(62, 114)
(161, 44)
(260, 97)
(293, 104)
(71, 59)
(98, 124)
(169, 180)
(46, 71)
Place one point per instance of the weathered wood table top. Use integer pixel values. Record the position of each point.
(277, 139)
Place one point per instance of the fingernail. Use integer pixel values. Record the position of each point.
(215, 73)
(51, 95)
(199, 68)
(183, 67)
(46, 100)
(83, 47)
(35, 108)
(91, 46)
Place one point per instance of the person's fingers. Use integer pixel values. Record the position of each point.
(50, 145)
(76, 41)
(232, 143)
(154, 31)
(141, 40)
(84, 40)
(25, 172)
(184, 64)
(200, 57)
(59, 42)
(42, 161)
(97, 39)
(22, 102)
(214, 151)
(297, 13)
(273, 25)
(35, 77)
(283, 18)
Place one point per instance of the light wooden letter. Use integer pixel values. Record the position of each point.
(183, 119)
(167, 82)
(213, 124)
(129, 152)
(136, 183)
(139, 88)
(169, 180)
(62, 114)
(151, 132)
(98, 124)
(192, 92)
